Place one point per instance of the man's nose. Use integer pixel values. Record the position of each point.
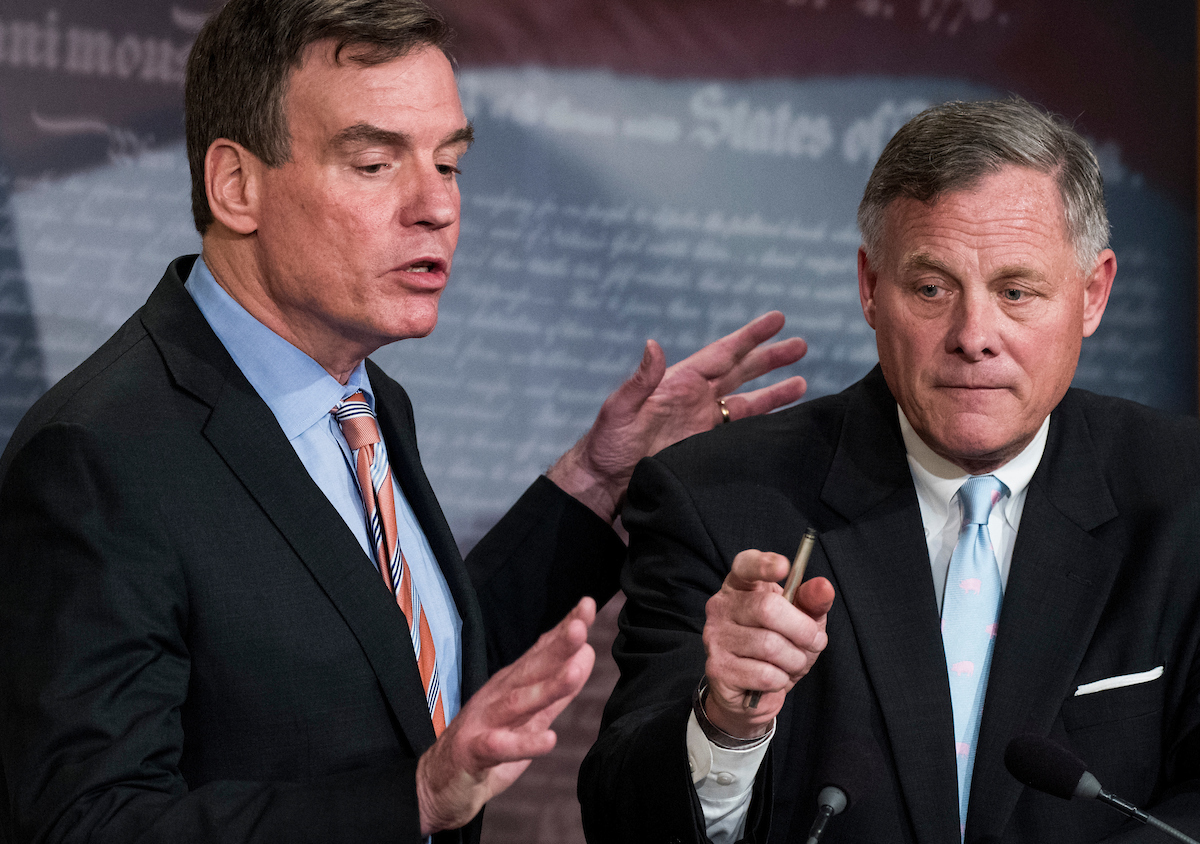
(972, 332)
(433, 199)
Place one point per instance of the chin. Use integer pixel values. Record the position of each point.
(415, 322)
(968, 447)
(979, 459)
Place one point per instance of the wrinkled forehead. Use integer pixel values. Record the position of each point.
(337, 63)
(1013, 203)
(1011, 191)
(414, 90)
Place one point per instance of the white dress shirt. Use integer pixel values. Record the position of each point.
(724, 779)
(937, 481)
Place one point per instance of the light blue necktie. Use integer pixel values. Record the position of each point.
(970, 611)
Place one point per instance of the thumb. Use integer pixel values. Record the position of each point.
(815, 597)
(645, 379)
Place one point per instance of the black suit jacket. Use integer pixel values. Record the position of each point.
(1103, 583)
(193, 647)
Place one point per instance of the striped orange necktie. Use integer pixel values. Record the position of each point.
(374, 477)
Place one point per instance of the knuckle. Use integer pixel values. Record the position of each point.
(715, 625)
(775, 651)
(715, 606)
(768, 678)
(758, 606)
(716, 669)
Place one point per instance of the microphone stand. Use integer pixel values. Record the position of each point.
(1127, 808)
(818, 828)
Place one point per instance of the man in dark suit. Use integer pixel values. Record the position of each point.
(984, 263)
(194, 644)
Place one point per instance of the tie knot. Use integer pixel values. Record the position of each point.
(357, 421)
(978, 496)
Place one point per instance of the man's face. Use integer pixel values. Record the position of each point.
(356, 232)
(979, 309)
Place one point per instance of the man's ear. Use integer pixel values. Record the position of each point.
(232, 179)
(1095, 294)
(867, 279)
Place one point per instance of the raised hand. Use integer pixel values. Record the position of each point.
(658, 406)
(505, 725)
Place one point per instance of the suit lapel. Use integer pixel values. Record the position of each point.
(1057, 587)
(244, 432)
(881, 564)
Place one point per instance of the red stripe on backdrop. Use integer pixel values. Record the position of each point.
(1125, 70)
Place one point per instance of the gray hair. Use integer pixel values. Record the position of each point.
(952, 146)
(239, 67)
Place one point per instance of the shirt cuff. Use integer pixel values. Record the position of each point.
(724, 781)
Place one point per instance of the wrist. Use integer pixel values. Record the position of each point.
(446, 793)
(424, 797)
(575, 475)
(719, 736)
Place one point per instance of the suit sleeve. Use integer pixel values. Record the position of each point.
(528, 571)
(635, 784)
(94, 672)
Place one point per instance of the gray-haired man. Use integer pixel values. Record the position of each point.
(984, 264)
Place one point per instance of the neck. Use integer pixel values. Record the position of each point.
(229, 257)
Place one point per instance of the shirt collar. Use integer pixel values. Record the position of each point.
(938, 480)
(298, 390)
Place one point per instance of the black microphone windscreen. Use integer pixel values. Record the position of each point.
(853, 766)
(1045, 765)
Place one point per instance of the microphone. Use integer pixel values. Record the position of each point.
(1043, 764)
(851, 773)
(831, 801)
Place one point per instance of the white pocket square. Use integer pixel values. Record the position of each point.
(1119, 681)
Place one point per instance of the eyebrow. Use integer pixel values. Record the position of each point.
(926, 261)
(367, 134)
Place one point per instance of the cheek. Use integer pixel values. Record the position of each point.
(366, 224)
(1048, 350)
(1050, 370)
(905, 353)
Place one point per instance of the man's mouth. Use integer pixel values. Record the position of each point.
(421, 267)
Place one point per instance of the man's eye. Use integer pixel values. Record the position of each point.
(1012, 294)
(449, 170)
(928, 290)
(373, 168)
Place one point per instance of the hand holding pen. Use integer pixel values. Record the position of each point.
(795, 576)
(756, 639)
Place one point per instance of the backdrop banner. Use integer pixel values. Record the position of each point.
(643, 168)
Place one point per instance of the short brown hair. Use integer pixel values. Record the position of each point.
(952, 146)
(238, 69)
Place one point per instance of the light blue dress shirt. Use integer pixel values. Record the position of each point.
(301, 393)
